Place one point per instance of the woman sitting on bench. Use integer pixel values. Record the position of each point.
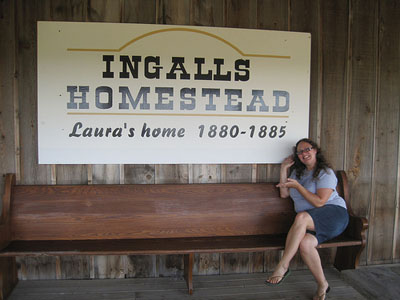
(322, 215)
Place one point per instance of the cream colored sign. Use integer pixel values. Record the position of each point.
(133, 93)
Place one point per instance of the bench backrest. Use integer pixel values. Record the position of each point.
(87, 212)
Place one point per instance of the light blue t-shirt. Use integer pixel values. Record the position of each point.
(325, 179)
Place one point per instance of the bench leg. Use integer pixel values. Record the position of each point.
(348, 257)
(8, 276)
(188, 264)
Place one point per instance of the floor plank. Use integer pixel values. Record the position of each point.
(299, 285)
(376, 282)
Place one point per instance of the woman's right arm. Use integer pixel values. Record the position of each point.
(284, 173)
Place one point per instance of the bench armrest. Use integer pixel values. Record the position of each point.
(357, 228)
(5, 228)
(357, 225)
(349, 257)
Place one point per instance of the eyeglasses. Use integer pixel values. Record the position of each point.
(305, 150)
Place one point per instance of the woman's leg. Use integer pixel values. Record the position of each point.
(310, 255)
(301, 224)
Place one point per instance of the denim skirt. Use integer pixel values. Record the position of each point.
(329, 221)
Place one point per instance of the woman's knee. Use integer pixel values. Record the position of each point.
(308, 243)
(302, 218)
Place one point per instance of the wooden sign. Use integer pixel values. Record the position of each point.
(133, 93)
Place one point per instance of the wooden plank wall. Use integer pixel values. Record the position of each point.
(354, 115)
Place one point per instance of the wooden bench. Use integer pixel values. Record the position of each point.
(156, 219)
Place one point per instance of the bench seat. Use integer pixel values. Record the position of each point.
(58, 220)
(255, 243)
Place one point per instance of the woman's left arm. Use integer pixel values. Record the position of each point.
(318, 199)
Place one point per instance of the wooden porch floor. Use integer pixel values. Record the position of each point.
(374, 282)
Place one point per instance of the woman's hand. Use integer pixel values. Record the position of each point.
(287, 162)
(290, 183)
(318, 199)
(285, 166)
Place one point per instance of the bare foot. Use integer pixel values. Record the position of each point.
(322, 291)
(279, 274)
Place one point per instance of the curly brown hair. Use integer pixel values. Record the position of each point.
(299, 167)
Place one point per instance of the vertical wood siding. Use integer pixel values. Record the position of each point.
(354, 115)
(384, 203)
(361, 96)
(8, 98)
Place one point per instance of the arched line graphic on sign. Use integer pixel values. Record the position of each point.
(182, 29)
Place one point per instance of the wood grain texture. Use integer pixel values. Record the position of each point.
(5, 218)
(104, 11)
(241, 14)
(169, 174)
(139, 174)
(188, 272)
(273, 15)
(37, 267)
(26, 17)
(135, 265)
(176, 12)
(353, 112)
(363, 67)
(141, 266)
(362, 102)
(207, 13)
(65, 212)
(236, 262)
(139, 11)
(7, 94)
(173, 220)
(225, 244)
(349, 258)
(74, 267)
(59, 10)
(206, 264)
(385, 198)
(305, 16)
(206, 173)
(107, 266)
(105, 174)
(8, 276)
(334, 80)
(299, 285)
